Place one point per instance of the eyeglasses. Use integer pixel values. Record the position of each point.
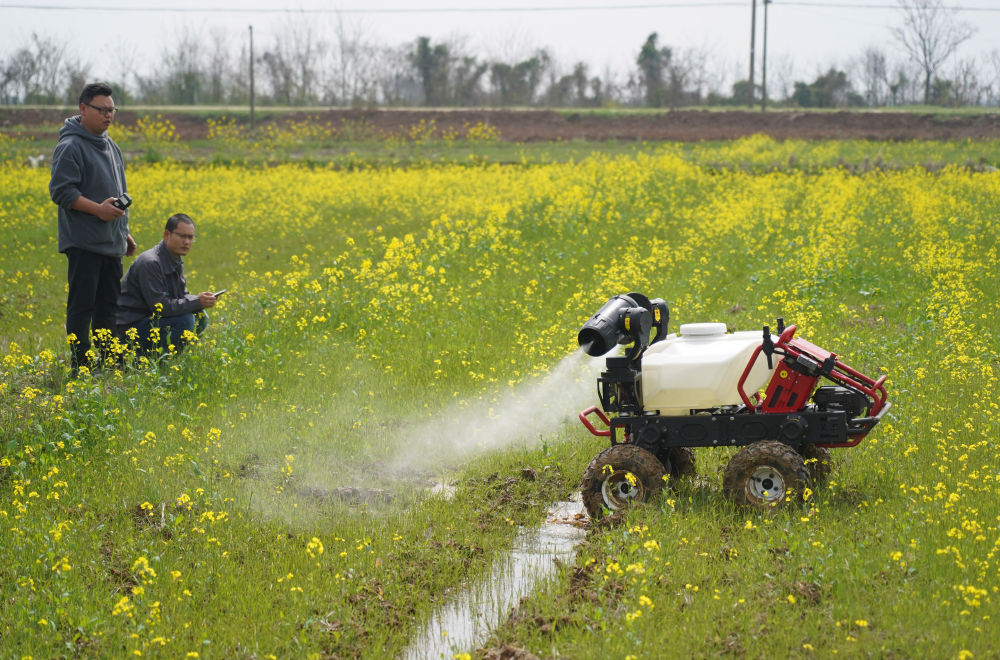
(183, 237)
(104, 111)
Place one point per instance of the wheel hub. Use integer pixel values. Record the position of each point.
(621, 489)
(767, 484)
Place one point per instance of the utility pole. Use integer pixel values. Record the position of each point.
(753, 40)
(763, 71)
(251, 80)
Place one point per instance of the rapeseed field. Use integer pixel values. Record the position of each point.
(241, 500)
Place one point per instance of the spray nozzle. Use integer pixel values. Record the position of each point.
(625, 319)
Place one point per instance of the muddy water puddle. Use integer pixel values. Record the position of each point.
(465, 621)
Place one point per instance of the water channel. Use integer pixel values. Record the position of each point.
(465, 621)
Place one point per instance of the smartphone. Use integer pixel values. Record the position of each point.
(219, 293)
(123, 202)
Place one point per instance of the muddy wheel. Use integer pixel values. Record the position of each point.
(818, 462)
(765, 474)
(678, 462)
(619, 477)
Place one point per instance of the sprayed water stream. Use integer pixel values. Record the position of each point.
(465, 622)
(518, 417)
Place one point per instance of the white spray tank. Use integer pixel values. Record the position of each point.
(701, 368)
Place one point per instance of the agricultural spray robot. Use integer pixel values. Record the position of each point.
(702, 388)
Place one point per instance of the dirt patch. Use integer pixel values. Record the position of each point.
(348, 494)
(508, 652)
(548, 125)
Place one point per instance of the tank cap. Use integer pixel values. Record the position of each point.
(703, 329)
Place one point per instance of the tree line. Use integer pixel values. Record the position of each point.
(304, 66)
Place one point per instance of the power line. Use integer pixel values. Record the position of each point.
(466, 10)
(847, 5)
(384, 10)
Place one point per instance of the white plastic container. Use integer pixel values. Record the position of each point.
(701, 368)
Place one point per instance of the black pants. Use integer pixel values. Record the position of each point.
(171, 331)
(94, 285)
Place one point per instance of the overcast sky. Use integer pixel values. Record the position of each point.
(803, 35)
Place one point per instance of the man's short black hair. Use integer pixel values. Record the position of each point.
(95, 89)
(176, 219)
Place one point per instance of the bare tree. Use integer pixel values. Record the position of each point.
(873, 72)
(290, 64)
(219, 68)
(709, 77)
(613, 86)
(306, 49)
(51, 58)
(930, 34)
(238, 89)
(21, 73)
(899, 85)
(34, 72)
(121, 68)
(992, 64)
(7, 75)
(17, 72)
(966, 86)
(353, 67)
(181, 78)
(75, 76)
(781, 69)
(398, 84)
(280, 75)
(687, 77)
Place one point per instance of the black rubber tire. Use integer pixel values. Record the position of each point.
(766, 475)
(820, 468)
(679, 462)
(606, 484)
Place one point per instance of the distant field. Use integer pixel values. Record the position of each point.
(352, 139)
(539, 125)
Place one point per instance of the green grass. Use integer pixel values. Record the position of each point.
(181, 508)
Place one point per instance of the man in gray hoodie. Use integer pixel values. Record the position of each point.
(88, 175)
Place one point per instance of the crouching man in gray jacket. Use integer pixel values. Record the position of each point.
(154, 308)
